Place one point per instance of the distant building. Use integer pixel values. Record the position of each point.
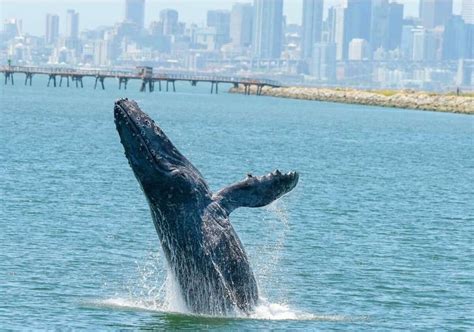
(435, 12)
(356, 22)
(386, 25)
(241, 23)
(467, 11)
(335, 22)
(359, 50)
(323, 65)
(52, 28)
(206, 37)
(72, 24)
(135, 12)
(455, 39)
(406, 45)
(424, 45)
(12, 27)
(169, 19)
(268, 28)
(102, 52)
(220, 20)
(311, 27)
(395, 19)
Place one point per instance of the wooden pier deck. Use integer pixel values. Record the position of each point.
(144, 74)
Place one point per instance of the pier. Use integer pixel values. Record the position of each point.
(60, 76)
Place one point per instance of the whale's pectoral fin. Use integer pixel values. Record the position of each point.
(256, 191)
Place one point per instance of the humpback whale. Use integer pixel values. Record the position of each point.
(199, 243)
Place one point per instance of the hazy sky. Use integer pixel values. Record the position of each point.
(94, 13)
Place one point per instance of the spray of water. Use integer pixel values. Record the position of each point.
(144, 294)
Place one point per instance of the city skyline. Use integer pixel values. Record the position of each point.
(363, 42)
(190, 11)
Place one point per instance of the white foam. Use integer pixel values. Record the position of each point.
(264, 311)
(143, 293)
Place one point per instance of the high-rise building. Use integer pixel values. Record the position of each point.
(455, 37)
(52, 28)
(267, 28)
(406, 45)
(72, 24)
(395, 19)
(311, 27)
(356, 22)
(336, 29)
(435, 12)
(241, 22)
(12, 27)
(424, 45)
(379, 24)
(169, 18)
(220, 21)
(323, 65)
(467, 11)
(386, 24)
(358, 50)
(135, 12)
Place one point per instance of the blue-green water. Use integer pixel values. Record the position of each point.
(378, 233)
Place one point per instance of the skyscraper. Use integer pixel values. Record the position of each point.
(356, 22)
(455, 39)
(395, 19)
(379, 24)
(435, 12)
(424, 45)
(358, 50)
(220, 20)
(267, 28)
(72, 24)
(386, 24)
(336, 29)
(169, 18)
(52, 28)
(467, 11)
(12, 27)
(406, 45)
(323, 65)
(135, 12)
(241, 22)
(312, 26)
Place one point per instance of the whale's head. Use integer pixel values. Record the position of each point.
(162, 171)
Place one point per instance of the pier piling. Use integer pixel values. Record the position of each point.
(101, 80)
(52, 77)
(28, 77)
(9, 77)
(124, 81)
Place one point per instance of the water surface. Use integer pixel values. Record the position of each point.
(377, 234)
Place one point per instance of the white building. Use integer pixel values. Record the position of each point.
(358, 50)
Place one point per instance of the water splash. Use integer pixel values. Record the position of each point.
(145, 295)
(264, 311)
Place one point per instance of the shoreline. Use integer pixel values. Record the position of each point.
(386, 98)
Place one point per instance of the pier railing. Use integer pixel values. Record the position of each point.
(76, 74)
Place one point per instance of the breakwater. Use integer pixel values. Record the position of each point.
(386, 98)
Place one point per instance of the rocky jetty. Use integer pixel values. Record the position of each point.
(386, 98)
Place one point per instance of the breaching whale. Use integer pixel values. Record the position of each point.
(201, 247)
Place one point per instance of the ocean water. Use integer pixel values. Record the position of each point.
(378, 234)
